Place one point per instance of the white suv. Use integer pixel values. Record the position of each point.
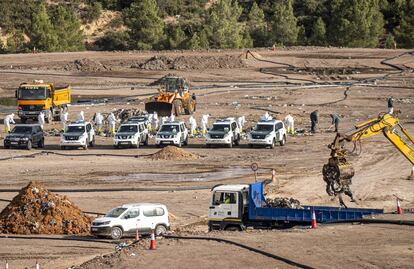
(131, 134)
(173, 133)
(267, 133)
(126, 219)
(79, 134)
(224, 132)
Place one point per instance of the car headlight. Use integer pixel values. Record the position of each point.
(106, 222)
(25, 138)
(268, 135)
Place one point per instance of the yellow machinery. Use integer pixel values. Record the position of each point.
(337, 173)
(174, 97)
(33, 98)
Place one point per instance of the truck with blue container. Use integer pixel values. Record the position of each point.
(237, 207)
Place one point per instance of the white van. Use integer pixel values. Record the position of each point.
(126, 219)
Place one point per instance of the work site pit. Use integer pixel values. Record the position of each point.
(35, 210)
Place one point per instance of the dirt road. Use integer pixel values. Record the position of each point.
(262, 85)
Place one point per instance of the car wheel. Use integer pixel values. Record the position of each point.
(233, 228)
(116, 233)
(251, 146)
(146, 141)
(41, 143)
(180, 144)
(158, 145)
(283, 141)
(230, 145)
(29, 145)
(62, 147)
(208, 146)
(160, 230)
(138, 142)
(237, 141)
(6, 147)
(92, 143)
(272, 146)
(186, 141)
(86, 146)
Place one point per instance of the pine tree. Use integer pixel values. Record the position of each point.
(204, 43)
(146, 28)
(67, 29)
(42, 34)
(318, 32)
(194, 42)
(284, 23)
(389, 42)
(405, 34)
(257, 26)
(176, 40)
(355, 23)
(222, 26)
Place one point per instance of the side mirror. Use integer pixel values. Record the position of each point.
(15, 94)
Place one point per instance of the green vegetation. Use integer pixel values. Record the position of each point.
(199, 24)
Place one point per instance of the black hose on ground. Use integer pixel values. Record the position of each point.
(256, 250)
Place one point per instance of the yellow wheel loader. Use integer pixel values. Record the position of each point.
(173, 97)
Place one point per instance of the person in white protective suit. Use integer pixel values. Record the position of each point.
(98, 122)
(9, 119)
(155, 121)
(290, 124)
(41, 119)
(64, 119)
(81, 116)
(111, 123)
(164, 120)
(172, 117)
(204, 123)
(193, 125)
(241, 121)
(266, 117)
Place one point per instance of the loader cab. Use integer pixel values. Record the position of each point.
(228, 206)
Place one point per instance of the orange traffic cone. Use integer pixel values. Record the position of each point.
(37, 264)
(399, 209)
(314, 224)
(152, 245)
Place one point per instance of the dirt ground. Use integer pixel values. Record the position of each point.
(275, 81)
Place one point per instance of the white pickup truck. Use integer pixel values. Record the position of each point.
(224, 132)
(267, 133)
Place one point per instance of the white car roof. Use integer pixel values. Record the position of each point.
(78, 123)
(142, 205)
(269, 122)
(232, 187)
(172, 122)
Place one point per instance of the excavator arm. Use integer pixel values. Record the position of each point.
(338, 172)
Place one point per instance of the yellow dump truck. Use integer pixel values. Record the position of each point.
(32, 98)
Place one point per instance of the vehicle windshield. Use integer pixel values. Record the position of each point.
(221, 127)
(128, 129)
(116, 212)
(21, 130)
(173, 84)
(31, 93)
(137, 119)
(169, 128)
(264, 127)
(75, 129)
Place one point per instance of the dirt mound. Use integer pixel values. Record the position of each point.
(86, 65)
(35, 210)
(191, 62)
(173, 153)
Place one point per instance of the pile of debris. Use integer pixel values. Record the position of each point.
(86, 65)
(124, 114)
(35, 210)
(191, 62)
(284, 202)
(52, 132)
(173, 153)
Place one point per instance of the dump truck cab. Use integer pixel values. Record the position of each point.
(228, 207)
(38, 96)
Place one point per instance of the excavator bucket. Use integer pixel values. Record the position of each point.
(163, 109)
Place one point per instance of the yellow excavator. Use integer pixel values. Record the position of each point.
(174, 97)
(338, 172)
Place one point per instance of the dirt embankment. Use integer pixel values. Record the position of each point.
(35, 210)
(174, 154)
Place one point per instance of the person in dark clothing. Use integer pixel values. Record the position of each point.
(314, 117)
(335, 121)
(390, 105)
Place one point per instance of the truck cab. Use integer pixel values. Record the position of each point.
(228, 207)
(38, 96)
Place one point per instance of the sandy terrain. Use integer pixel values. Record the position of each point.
(381, 171)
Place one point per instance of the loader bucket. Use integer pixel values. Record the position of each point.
(163, 109)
